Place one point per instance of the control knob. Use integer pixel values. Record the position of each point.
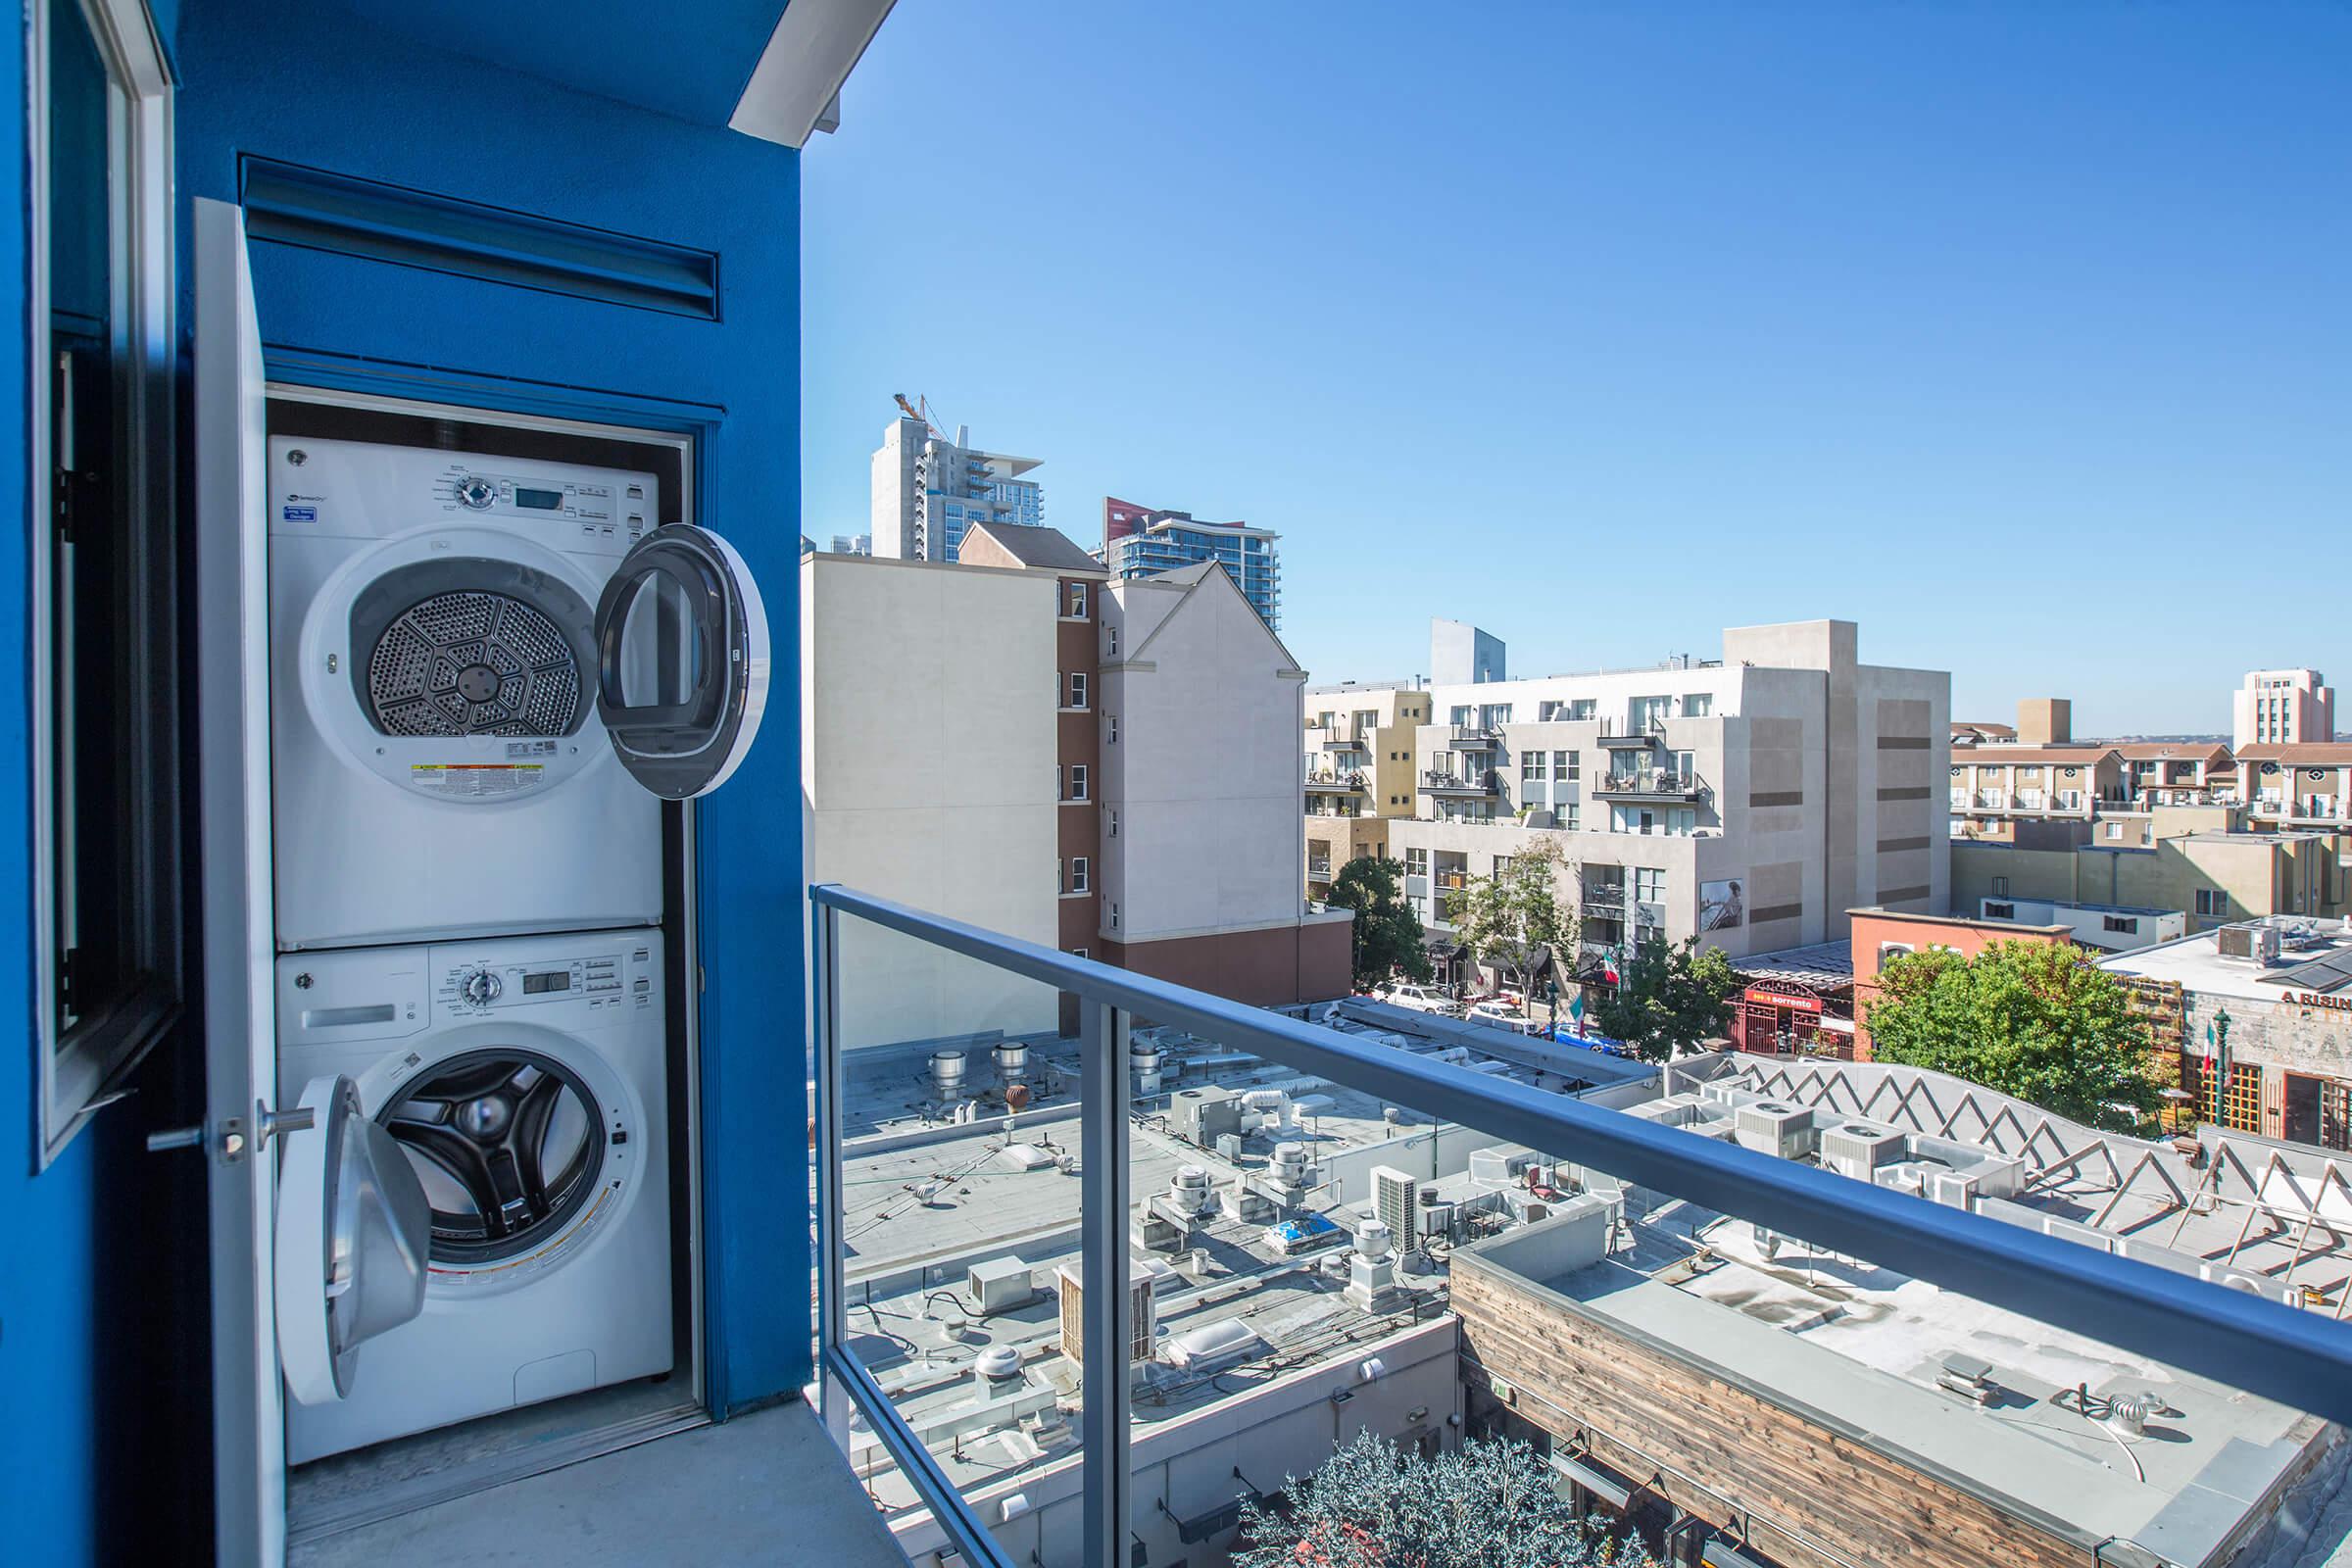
(479, 987)
(476, 492)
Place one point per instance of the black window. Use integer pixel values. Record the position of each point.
(105, 695)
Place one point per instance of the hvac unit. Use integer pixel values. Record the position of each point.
(1770, 1127)
(1396, 1202)
(2254, 941)
(1952, 1189)
(1436, 1219)
(1904, 1176)
(1498, 1167)
(999, 1285)
(1722, 1092)
(2252, 1284)
(1072, 1288)
(1202, 1116)
(1858, 1147)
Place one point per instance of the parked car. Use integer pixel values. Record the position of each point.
(1421, 998)
(1500, 1015)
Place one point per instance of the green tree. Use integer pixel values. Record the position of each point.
(1668, 998)
(1389, 939)
(1503, 919)
(1489, 1505)
(2033, 1019)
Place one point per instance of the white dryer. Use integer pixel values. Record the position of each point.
(524, 1080)
(460, 644)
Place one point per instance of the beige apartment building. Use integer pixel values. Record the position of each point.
(2298, 786)
(1360, 769)
(2212, 875)
(2282, 707)
(1748, 800)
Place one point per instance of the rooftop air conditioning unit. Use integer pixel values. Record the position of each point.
(1396, 1202)
(1952, 1189)
(2254, 941)
(999, 1285)
(1773, 1128)
(1859, 1147)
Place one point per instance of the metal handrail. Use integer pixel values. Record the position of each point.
(2297, 1357)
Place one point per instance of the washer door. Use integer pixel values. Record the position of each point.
(682, 660)
(353, 1235)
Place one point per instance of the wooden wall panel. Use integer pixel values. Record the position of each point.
(1731, 1446)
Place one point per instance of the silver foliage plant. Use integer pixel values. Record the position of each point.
(1491, 1503)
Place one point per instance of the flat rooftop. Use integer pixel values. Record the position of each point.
(2197, 964)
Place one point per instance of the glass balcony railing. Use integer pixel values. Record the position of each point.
(1102, 1256)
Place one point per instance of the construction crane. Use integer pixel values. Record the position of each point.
(913, 411)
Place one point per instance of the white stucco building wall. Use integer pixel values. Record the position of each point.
(927, 776)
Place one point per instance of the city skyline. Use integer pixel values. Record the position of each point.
(1792, 297)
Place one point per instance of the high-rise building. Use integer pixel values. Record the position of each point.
(927, 490)
(1141, 543)
(2282, 707)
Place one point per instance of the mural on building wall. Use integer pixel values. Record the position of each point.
(1722, 905)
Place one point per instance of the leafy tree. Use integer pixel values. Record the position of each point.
(2032, 1019)
(1388, 938)
(1503, 919)
(1668, 998)
(1490, 1504)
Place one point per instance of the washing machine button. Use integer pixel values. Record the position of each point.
(480, 988)
(476, 492)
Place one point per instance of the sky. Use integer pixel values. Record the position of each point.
(2019, 334)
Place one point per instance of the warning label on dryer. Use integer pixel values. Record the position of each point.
(474, 780)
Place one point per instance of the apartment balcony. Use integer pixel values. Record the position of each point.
(1451, 881)
(1606, 903)
(1619, 735)
(1318, 870)
(1006, 1411)
(1679, 789)
(1355, 742)
(1458, 785)
(1473, 737)
(1335, 783)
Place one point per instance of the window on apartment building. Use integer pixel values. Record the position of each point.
(1114, 815)
(1999, 911)
(1417, 862)
(106, 807)
(1077, 688)
(1503, 866)
(1650, 884)
(1078, 952)
(1568, 817)
(1532, 766)
(1567, 766)
(2124, 924)
(1685, 764)
(1113, 917)
(1420, 906)
(2212, 901)
(1698, 705)
(1110, 642)
(1461, 716)
(1110, 729)
(1075, 608)
(1078, 874)
(2115, 830)
(1892, 949)
(2000, 887)
(1077, 781)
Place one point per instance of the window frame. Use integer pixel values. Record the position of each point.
(1080, 781)
(80, 1070)
(1076, 692)
(1080, 878)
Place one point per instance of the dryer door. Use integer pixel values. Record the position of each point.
(354, 1232)
(682, 660)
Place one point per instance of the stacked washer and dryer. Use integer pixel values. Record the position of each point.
(484, 672)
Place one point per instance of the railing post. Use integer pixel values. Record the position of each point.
(831, 1313)
(1106, 1322)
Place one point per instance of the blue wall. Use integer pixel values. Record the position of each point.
(102, 1345)
(308, 84)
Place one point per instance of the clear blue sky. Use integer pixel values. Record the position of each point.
(2020, 334)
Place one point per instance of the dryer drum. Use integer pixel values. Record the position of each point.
(508, 1143)
(472, 664)
(471, 645)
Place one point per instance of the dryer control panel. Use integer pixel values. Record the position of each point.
(326, 488)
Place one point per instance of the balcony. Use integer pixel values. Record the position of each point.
(1620, 735)
(1605, 901)
(1335, 783)
(1476, 737)
(1356, 742)
(990, 1305)
(1438, 782)
(1318, 870)
(1452, 879)
(1657, 784)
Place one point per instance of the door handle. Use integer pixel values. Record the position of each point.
(266, 1123)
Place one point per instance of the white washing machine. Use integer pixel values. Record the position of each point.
(483, 671)
(524, 1081)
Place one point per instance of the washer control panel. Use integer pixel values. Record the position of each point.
(593, 981)
(612, 510)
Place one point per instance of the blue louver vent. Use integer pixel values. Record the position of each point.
(312, 208)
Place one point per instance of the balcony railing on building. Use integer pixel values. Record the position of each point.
(1319, 870)
(1473, 737)
(1347, 741)
(952, 1246)
(1651, 784)
(1438, 782)
(1606, 900)
(1334, 782)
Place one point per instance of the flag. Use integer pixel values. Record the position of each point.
(1608, 968)
(1576, 1013)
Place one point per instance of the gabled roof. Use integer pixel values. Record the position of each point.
(2030, 755)
(2303, 754)
(1200, 576)
(1047, 548)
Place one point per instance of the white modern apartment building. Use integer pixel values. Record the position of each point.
(927, 490)
(1749, 800)
(1202, 833)
(2282, 707)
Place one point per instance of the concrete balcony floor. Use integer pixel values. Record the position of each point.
(763, 1489)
